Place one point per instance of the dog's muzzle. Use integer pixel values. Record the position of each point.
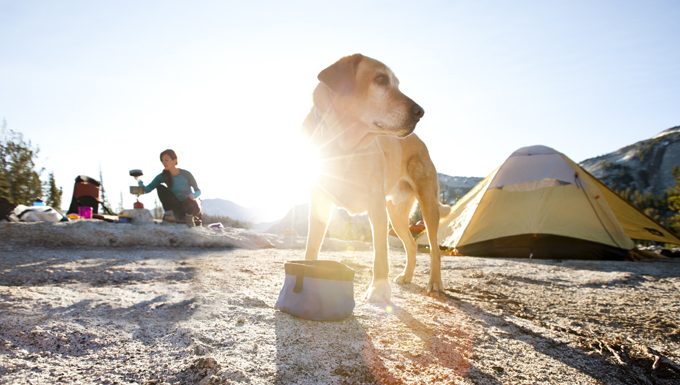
(417, 112)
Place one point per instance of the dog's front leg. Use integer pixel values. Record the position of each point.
(430, 210)
(319, 215)
(379, 291)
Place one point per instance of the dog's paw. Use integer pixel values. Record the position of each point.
(379, 292)
(435, 289)
(403, 278)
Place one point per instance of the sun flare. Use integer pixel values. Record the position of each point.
(303, 166)
(291, 167)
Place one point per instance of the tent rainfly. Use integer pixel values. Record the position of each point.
(540, 204)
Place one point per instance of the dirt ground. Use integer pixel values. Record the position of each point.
(205, 315)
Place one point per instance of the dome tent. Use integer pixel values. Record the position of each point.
(541, 204)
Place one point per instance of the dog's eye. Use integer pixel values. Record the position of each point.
(382, 80)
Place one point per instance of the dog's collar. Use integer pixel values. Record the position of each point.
(334, 141)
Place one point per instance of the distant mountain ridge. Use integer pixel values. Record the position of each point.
(357, 227)
(452, 188)
(645, 166)
(227, 208)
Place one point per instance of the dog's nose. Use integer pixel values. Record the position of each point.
(417, 111)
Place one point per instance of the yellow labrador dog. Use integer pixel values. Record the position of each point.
(372, 163)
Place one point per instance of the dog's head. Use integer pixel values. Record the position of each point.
(366, 91)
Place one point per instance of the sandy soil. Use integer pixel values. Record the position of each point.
(124, 314)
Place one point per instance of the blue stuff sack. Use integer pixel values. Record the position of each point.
(318, 290)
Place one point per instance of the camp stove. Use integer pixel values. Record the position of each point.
(137, 190)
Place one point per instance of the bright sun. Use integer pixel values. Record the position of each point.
(301, 163)
(270, 163)
(291, 166)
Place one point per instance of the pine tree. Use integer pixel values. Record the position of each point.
(157, 209)
(105, 200)
(4, 178)
(53, 193)
(121, 206)
(674, 201)
(19, 181)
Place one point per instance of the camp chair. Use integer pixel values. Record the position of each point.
(86, 193)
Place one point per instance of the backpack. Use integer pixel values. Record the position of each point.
(86, 193)
(6, 209)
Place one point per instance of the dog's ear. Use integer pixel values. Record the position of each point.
(340, 76)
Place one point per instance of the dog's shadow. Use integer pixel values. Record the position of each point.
(448, 348)
(327, 352)
(345, 353)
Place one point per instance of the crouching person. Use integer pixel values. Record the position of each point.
(177, 191)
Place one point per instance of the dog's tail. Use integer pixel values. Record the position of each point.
(444, 211)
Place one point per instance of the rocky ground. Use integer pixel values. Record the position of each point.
(205, 315)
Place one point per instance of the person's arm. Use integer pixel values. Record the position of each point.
(192, 183)
(154, 183)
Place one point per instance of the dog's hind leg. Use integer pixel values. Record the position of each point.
(319, 216)
(399, 217)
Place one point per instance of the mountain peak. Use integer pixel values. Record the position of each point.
(668, 131)
(645, 166)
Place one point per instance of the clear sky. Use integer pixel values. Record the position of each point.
(109, 84)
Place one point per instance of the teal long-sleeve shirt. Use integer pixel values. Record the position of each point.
(182, 185)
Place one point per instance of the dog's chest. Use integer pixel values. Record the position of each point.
(354, 181)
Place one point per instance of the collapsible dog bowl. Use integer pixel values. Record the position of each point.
(318, 290)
